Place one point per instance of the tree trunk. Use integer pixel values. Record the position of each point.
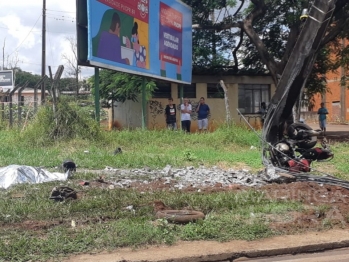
(226, 101)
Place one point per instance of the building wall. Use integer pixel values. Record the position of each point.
(28, 95)
(128, 114)
(337, 99)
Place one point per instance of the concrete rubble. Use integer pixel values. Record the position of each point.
(190, 176)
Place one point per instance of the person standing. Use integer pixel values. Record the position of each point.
(203, 111)
(262, 112)
(322, 112)
(170, 114)
(185, 115)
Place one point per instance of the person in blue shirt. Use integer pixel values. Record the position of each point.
(203, 111)
(322, 112)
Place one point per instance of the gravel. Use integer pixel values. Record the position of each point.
(189, 176)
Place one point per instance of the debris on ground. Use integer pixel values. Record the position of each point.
(69, 165)
(180, 216)
(63, 193)
(17, 174)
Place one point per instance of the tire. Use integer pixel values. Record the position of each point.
(180, 216)
(305, 144)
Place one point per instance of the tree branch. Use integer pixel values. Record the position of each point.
(236, 62)
(238, 10)
(258, 11)
(291, 41)
(216, 27)
(335, 30)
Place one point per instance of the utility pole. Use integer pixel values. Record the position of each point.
(3, 55)
(43, 50)
(343, 90)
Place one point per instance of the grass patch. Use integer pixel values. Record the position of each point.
(35, 146)
(36, 228)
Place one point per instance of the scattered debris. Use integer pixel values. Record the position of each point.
(16, 174)
(180, 216)
(84, 183)
(117, 151)
(69, 165)
(63, 193)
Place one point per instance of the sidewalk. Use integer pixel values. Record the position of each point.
(229, 251)
(331, 127)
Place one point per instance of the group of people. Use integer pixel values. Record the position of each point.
(203, 110)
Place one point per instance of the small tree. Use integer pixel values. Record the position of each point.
(119, 87)
(72, 68)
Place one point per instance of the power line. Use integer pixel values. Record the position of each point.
(62, 18)
(16, 49)
(60, 11)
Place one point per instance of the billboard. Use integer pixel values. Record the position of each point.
(145, 37)
(6, 80)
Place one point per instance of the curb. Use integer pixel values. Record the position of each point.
(211, 251)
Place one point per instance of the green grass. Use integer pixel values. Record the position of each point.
(103, 223)
(156, 149)
(33, 227)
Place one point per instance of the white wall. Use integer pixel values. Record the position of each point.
(128, 114)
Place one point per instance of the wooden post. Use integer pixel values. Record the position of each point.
(226, 101)
(97, 105)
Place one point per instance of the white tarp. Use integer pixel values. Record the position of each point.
(16, 174)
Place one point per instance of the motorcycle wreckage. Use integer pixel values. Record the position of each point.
(290, 145)
(297, 149)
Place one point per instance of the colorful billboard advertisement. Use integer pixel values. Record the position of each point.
(6, 81)
(145, 37)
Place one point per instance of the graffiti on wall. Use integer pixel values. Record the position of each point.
(155, 109)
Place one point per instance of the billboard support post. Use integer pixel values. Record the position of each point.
(144, 104)
(181, 101)
(97, 105)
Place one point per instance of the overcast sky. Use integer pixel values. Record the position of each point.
(21, 33)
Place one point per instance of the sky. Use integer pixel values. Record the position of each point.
(21, 34)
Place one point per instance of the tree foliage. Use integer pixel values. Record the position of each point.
(259, 36)
(23, 77)
(64, 84)
(119, 87)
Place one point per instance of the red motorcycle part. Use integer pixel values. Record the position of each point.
(300, 165)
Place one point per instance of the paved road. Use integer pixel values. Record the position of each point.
(331, 127)
(337, 255)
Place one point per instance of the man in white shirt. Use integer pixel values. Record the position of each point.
(185, 115)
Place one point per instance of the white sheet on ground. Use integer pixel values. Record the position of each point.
(16, 174)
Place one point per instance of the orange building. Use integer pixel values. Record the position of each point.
(337, 99)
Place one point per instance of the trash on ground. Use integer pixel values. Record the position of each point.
(17, 174)
(84, 183)
(69, 165)
(63, 193)
(117, 151)
(180, 216)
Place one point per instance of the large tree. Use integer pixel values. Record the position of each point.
(258, 35)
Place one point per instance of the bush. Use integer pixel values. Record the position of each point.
(69, 122)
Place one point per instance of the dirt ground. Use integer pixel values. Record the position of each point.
(326, 208)
(326, 205)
